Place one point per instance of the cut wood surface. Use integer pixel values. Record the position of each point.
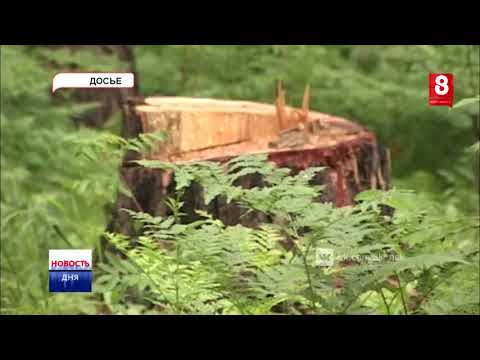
(206, 128)
(218, 130)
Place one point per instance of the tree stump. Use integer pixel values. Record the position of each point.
(219, 130)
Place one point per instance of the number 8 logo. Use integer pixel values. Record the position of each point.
(441, 85)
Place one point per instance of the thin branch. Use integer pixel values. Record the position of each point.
(385, 301)
(402, 295)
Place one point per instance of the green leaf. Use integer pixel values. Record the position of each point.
(466, 102)
(475, 148)
(370, 195)
(123, 189)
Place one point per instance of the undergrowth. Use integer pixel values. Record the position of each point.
(381, 264)
(59, 182)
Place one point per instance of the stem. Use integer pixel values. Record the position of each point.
(393, 299)
(309, 278)
(349, 304)
(402, 295)
(177, 289)
(124, 252)
(304, 260)
(62, 235)
(305, 264)
(298, 237)
(385, 301)
(135, 201)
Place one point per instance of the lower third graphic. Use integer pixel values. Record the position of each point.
(70, 270)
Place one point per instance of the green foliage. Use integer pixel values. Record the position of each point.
(467, 102)
(384, 87)
(207, 267)
(51, 195)
(59, 181)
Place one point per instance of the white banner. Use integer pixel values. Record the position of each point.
(92, 80)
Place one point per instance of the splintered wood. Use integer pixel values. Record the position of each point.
(207, 128)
